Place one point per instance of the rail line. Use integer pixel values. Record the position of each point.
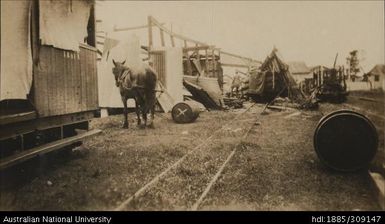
(219, 172)
(361, 110)
(140, 192)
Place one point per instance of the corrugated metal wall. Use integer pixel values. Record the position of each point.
(65, 81)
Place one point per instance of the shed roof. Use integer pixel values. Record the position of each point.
(378, 69)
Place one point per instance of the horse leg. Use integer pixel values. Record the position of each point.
(144, 116)
(125, 121)
(137, 110)
(151, 105)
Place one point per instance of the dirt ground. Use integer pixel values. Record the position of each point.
(274, 168)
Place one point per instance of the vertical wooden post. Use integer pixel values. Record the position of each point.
(213, 62)
(172, 40)
(189, 67)
(207, 62)
(197, 53)
(273, 80)
(149, 37)
(161, 36)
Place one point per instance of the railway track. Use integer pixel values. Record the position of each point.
(195, 173)
(366, 112)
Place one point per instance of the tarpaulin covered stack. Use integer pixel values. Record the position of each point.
(273, 79)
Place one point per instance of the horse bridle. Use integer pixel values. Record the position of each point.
(123, 76)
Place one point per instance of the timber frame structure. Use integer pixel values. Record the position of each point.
(209, 53)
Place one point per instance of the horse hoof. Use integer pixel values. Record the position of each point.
(151, 126)
(142, 126)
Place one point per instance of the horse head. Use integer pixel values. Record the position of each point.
(118, 71)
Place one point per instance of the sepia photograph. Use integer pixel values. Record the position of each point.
(191, 106)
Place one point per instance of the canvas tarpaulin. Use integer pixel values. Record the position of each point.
(273, 78)
(257, 82)
(63, 23)
(16, 58)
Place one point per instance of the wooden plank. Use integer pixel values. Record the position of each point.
(28, 154)
(67, 85)
(378, 184)
(72, 83)
(40, 83)
(51, 86)
(95, 82)
(132, 28)
(213, 63)
(59, 79)
(86, 81)
(38, 86)
(92, 80)
(12, 118)
(78, 80)
(197, 53)
(189, 67)
(62, 85)
(207, 62)
(366, 112)
(154, 21)
(10, 130)
(149, 20)
(234, 65)
(195, 48)
(91, 48)
(56, 82)
(68, 82)
(369, 99)
(82, 80)
(88, 78)
(240, 57)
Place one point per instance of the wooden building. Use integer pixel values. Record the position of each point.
(376, 77)
(49, 84)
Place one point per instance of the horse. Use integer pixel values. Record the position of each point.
(139, 85)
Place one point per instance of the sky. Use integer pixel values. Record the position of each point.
(308, 31)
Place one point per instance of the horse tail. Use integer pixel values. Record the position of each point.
(152, 78)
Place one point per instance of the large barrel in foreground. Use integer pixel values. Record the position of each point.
(185, 112)
(345, 140)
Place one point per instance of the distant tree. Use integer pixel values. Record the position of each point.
(353, 62)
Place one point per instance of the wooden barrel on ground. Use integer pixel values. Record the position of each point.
(185, 112)
(345, 140)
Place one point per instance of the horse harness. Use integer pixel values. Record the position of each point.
(126, 73)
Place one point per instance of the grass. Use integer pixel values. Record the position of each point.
(274, 168)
